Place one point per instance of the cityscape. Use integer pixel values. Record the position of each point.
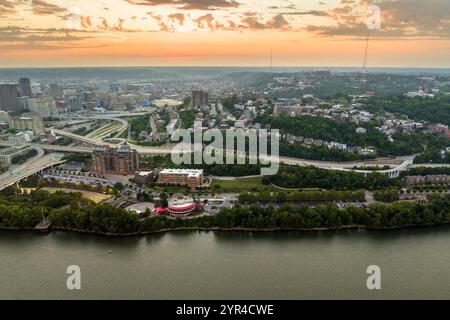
(88, 170)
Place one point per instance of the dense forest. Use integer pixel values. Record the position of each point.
(435, 110)
(312, 177)
(424, 171)
(319, 153)
(344, 132)
(301, 196)
(187, 118)
(388, 195)
(139, 124)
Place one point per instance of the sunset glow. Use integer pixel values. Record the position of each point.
(222, 33)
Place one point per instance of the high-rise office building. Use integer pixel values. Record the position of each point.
(54, 90)
(9, 97)
(75, 103)
(32, 122)
(121, 160)
(200, 98)
(24, 87)
(43, 106)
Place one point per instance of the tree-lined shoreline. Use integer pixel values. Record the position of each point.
(72, 212)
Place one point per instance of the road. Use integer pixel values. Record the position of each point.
(397, 164)
(404, 162)
(35, 165)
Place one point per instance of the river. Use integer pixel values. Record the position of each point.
(415, 264)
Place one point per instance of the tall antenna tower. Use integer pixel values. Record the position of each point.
(364, 79)
(271, 60)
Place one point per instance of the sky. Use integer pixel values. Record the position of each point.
(64, 33)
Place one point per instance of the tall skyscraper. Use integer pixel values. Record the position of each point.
(44, 106)
(24, 87)
(31, 122)
(200, 98)
(75, 103)
(54, 90)
(9, 97)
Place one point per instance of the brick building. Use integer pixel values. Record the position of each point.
(121, 160)
(429, 179)
(144, 177)
(186, 177)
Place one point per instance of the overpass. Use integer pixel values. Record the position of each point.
(393, 172)
(117, 129)
(95, 140)
(77, 137)
(345, 166)
(107, 116)
(406, 162)
(28, 169)
(327, 165)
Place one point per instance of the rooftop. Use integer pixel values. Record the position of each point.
(189, 172)
(144, 173)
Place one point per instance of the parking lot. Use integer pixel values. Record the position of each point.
(76, 179)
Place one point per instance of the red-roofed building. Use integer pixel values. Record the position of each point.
(182, 206)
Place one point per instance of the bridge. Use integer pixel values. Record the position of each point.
(393, 172)
(30, 168)
(346, 166)
(77, 137)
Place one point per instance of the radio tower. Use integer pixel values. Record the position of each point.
(271, 60)
(364, 80)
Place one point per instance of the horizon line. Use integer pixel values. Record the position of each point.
(218, 66)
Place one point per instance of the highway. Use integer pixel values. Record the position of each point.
(403, 163)
(15, 174)
(397, 164)
(167, 150)
(98, 140)
(39, 163)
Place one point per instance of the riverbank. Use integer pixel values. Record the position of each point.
(235, 229)
(72, 212)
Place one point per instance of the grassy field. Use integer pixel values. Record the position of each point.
(242, 185)
(94, 196)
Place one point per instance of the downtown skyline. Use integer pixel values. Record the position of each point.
(61, 33)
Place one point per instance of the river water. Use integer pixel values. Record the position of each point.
(415, 263)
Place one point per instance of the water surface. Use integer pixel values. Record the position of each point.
(415, 263)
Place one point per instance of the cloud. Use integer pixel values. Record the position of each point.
(317, 13)
(177, 17)
(399, 19)
(23, 38)
(190, 4)
(251, 21)
(16, 33)
(208, 21)
(6, 8)
(205, 22)
(42, 8)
